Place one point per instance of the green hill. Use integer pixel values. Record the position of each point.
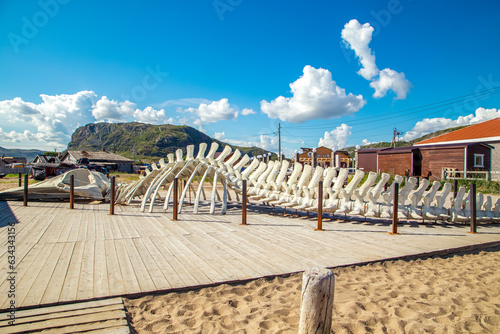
(147, 141)
(30, 155)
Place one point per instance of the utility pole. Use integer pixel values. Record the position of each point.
(279, 142)
(396, 133)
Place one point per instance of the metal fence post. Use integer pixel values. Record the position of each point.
(26, 176)
(244, 203)
(72, 192)
(320, 207)
(112, 200)
(395, 210)
(176, 191)
(472, 198)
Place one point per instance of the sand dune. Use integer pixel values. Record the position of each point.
(457, 293)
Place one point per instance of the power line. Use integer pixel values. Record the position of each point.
(435, 105)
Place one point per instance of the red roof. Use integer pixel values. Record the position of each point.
(476, 132)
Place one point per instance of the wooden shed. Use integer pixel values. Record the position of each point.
(463, 157)
(400, 160)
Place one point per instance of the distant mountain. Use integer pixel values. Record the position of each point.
(30, 155)
(144, 141)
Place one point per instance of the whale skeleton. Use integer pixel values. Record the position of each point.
(268, 183)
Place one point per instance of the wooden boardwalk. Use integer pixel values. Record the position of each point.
(84, 254)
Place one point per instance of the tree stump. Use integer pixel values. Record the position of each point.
(316, 301)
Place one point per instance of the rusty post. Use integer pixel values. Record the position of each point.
(107, 175)
(72, 191)
(395, 210)
(26, 176)
(473, 218)
(320, 207)
(244, 204)
(112, 200)
(176, 194)
(20, 179)
(455, 188)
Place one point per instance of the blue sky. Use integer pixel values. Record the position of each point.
(332, 73)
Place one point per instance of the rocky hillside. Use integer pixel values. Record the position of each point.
(147, 141)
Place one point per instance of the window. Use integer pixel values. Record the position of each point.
(478, 160)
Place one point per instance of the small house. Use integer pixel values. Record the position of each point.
(103, 159)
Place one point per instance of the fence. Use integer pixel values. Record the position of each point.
(10, 170)
(471, 175)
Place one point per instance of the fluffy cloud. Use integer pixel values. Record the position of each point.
(266, 142)
(358, 37)
(337, 138)
(213, 112)
(429, 125)
(152, 116)
(367, 142)
(315, 96)
(219, 135)
(391, 80)
(111, 110)
(54, 119)
(247, 111)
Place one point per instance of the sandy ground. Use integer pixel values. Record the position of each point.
(457, 293)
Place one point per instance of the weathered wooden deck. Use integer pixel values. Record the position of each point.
(83, 254)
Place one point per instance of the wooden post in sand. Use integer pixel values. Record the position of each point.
(25, 197)
(20, 179)
(72, 191)
(455, 188)
(473, 218)
(320, 207)
(244, 203)
(316, 301)
(112, 199)
(395, 210)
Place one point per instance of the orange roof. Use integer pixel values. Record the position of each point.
(476, 132)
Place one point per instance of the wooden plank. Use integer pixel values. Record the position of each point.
(65, 314)
(101, 284)
(187, 276)
(111, 330)
(25, 283)
(176, 277)
(21, 270)
(130, 281)
(70, 286)
(159, 280)
(67, 307)
(37, 290)
(115, 279)
(86, 281)
(75, 324)
(141, 272)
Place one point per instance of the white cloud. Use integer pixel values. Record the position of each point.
(152, 116)
(429, 125)
(358, 37)
(391, 80)
(337, 138)
(247, 111)
(213, 112)
(315, 96)
(54, 119)
(367, 142)
(111, 110)
(189, 102)
(266, 142)
(219, 135)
